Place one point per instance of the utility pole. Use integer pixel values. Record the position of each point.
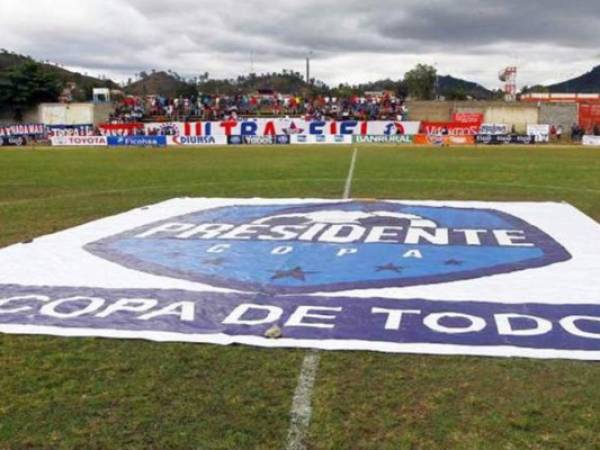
(308, 67)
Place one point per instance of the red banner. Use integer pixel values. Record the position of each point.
(121, 129)
(589, 116)
(450, 128)
(467, 117)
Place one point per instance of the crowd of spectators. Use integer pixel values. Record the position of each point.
(382, 106)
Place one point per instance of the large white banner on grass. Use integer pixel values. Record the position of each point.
(470, 278)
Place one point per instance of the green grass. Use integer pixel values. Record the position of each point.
(94, 393)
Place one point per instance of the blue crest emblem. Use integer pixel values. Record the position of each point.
(328, 247)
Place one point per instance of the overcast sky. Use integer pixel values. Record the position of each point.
(352, 40)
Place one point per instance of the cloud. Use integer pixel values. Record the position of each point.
(352, 40)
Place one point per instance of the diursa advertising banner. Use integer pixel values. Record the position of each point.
(289, 127)
(196, 140)
(78, 141)
(468, 278)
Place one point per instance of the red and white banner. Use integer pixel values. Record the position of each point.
(465, 117)
(450, 128)
(121, 129)
(78, 141)
(276, 127)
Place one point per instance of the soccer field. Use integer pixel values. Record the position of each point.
(95, 393)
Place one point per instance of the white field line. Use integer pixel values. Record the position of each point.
(301, 411)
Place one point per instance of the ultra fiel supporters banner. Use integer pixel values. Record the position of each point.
(277, 127)
(469, 278)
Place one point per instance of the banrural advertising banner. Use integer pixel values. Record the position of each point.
(468, 278)
(383, 139)
(275, 127)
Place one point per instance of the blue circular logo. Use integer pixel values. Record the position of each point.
(332, 246)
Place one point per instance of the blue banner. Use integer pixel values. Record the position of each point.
(137, 141)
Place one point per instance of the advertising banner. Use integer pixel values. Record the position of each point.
(468, 117)
(494, 129)
(502, 140)
(390, 139)
(13, 141)
(424, 139)
(137, 141)
(196, 140)
(121, 129)
(468, 278)
(79, 141)
(589, 115)
(540, 132)
(328, 139)
(275, 127)
(259, 140)
(22, 130)
(591, 140)
(69, 130)
(450, 128)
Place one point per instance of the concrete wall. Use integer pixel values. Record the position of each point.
(559, 114)
(74, 113)
(429, 110)
(517, 116)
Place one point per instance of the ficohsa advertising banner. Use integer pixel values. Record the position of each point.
(137, 141)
